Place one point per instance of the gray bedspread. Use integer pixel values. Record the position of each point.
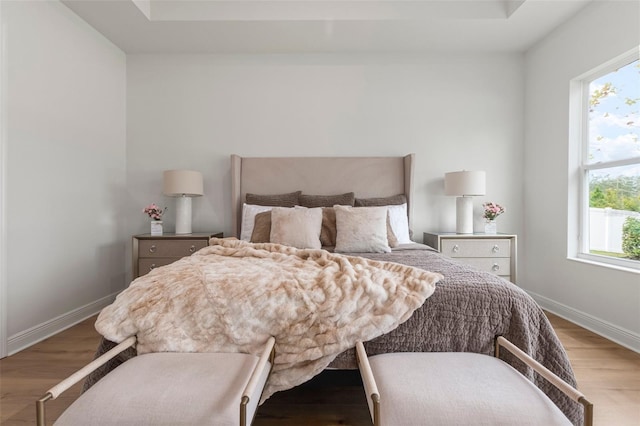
(466, 312)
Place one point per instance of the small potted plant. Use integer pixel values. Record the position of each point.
(155, 213)
(491, 212)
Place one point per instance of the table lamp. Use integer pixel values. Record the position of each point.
(183, 184)
(465, 184)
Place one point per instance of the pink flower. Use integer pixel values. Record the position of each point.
(154, 211)
(492, 210)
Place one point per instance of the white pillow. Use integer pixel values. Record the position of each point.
(297, 227)
(249, 212)
(361, 229)
(400, 223)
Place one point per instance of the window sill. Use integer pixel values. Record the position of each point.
(595, 260)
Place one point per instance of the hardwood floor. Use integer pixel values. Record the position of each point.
(27, 375)
(607, 373)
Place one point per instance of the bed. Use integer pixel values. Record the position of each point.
(468, 308)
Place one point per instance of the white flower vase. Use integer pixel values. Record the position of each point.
(156, 227)
(490, 227)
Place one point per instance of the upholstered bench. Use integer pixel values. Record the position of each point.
(168, 389)
(459, 388)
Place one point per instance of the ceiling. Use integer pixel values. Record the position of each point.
(289, 26)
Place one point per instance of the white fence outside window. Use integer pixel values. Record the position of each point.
(605, 228)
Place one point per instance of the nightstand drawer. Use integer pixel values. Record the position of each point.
(146, 265)
(497, 266)
(170, 248)
(493, 253)
(476, 247)
(151, 251)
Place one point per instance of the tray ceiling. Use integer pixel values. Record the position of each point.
(267, 26)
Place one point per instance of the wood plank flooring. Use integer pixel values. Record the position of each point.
(607, 373)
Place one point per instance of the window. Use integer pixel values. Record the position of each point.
(609, 164)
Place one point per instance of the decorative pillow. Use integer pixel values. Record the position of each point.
(346, 199)
(249, 212)
(280, 200)
(361, 229)
(328, 231)
(261, 228)
(298, 227)
(400, 223)
(381, 201)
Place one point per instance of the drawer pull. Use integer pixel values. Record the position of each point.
(495, 267)
(495, 248)
(152, 249)
(152, 267)
(192, 248)
(455, 248)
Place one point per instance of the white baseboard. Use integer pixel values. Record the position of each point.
(36, 334)
(619, 335)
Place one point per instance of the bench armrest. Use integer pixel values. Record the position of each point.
(369, 382)
(268, 355)
(563, 386)
(65, 384)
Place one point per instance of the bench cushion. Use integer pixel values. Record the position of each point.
(169, 389)
(443, 388)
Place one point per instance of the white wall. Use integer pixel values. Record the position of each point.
(65, 169)
(602, 299)
(454, 111)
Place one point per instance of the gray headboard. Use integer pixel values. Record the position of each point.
(366, 176)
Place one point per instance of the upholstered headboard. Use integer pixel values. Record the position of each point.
(366, 176)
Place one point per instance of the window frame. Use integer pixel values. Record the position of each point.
(578, 235)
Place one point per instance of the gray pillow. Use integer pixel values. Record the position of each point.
(261, 228)
(328, 230)
(275, 200)
(393, 200)
(346, 199)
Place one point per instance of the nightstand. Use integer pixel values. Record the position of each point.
(495, 253)
(151, 251)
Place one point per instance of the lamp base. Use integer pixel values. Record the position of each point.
(464, 215)
(183, 215)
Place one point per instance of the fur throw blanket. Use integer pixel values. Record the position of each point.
(233, 295)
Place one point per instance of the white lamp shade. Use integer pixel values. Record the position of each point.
(465, 183)
(177, 183)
